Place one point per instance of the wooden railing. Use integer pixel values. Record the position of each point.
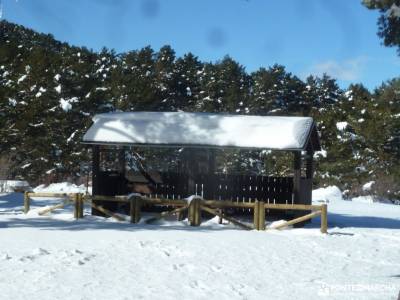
(192, 207)
(67, 198)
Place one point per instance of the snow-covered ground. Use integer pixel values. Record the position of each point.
(56, 257)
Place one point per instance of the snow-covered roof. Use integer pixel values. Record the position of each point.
(201, 129)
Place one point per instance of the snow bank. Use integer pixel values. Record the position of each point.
(328, 194)
(182, 128)
(333, 194)
(62, 187)
(9, 186)
(363, 199)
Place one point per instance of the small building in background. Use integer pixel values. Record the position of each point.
(115, 136)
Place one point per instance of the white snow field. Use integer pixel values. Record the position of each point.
(56, 257)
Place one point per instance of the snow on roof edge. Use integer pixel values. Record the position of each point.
(169, 129)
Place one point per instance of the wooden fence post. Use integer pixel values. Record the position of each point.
(261, 215)
(195, 212)
(135, 209)
(26, 203)
(81, 205)
(256, 217)
(324, 218)
(198, 212)
(75, 198)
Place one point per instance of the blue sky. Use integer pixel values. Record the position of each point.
(306, 36)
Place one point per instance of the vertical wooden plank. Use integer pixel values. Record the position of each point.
(172, 185)
(247, 188)
(208, 187)
(265, 189)
(242, 187)
(288, 190)
(221, 187)
(251, 190)
(217, 193)
(254, 187)
(239, 186)
(258, 188)
(291, 190)
(224, 185)
(164, 188)
(278, 198)
(273, 189)
(176, 185)
(228, 187)
(282, 192)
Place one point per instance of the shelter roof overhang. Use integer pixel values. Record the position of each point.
(203, 130)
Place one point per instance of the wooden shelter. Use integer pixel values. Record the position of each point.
(112, 134)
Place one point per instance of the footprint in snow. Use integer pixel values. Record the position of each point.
(216, 269)
(5, 257)
(40, 252)
(144, 244)
(35, 254)
(177, 267)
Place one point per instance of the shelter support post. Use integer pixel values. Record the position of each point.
(95, 178)
(95, 169)
(296, 176)
(298, 189)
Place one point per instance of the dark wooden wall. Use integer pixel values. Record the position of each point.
(241, 188)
